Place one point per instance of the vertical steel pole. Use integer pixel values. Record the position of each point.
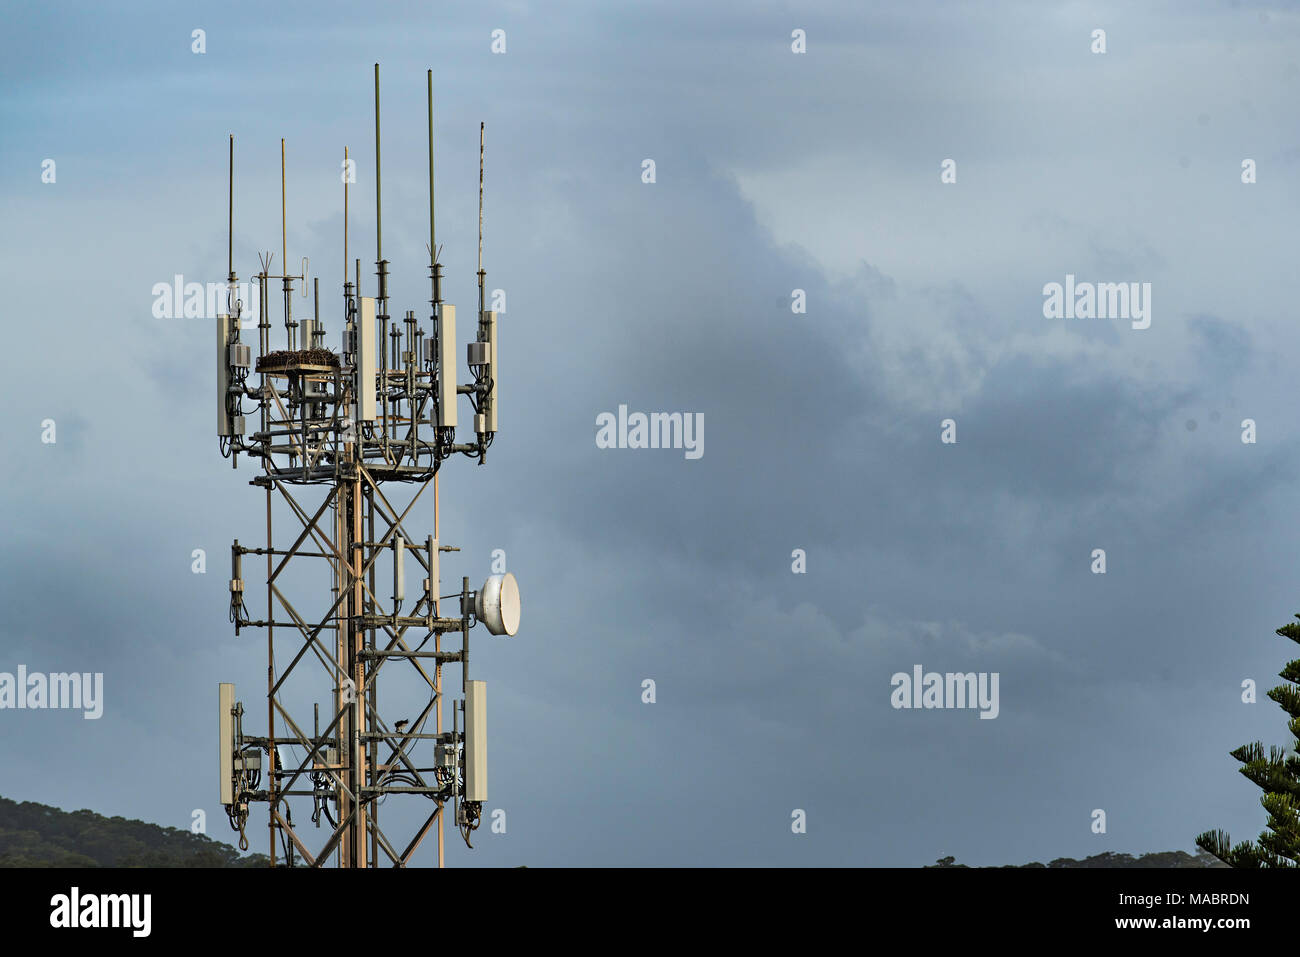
(437, 646)
(272, 753)
(355, 666)
(433, 559)
(372, 694)
(343, 621)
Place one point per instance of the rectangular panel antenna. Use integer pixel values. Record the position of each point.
(476, 741)
(223, 375)
(226, 742)
(489, 320)
(447, 364)
(366, 360)
(399, 572)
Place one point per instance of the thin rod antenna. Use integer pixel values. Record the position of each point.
(284, 255)
(230, 214)
(433, 245)
(480, 218)
(434, 278)
(345, 213)
(379, 215)
(284, 258)
(381, 293)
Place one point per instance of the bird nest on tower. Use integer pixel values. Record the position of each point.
(283, 359)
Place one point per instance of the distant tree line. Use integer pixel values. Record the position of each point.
(34, 835)
(1111, 859)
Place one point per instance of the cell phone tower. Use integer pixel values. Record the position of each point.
(348, 443)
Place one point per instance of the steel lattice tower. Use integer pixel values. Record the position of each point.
(348, 444)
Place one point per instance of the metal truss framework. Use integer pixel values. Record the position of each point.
(355, 758)
(333, 430)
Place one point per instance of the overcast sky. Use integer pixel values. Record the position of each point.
(775, 171)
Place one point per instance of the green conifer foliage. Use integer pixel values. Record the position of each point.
(1278, 776)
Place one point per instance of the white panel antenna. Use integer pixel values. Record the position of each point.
(366, 360)
(476, 741)
(226, 742)
(447, 364)
(399, 572)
